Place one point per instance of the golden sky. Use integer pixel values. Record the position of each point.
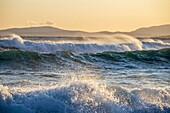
(87, 15)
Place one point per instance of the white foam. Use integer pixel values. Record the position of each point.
(79, 95)
(117, 43)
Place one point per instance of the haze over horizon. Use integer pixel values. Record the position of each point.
(85, 15)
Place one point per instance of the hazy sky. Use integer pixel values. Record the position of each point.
(88, 15)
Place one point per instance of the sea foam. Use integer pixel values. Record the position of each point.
(118, 43)
(79, 95)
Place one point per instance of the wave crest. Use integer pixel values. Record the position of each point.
(118, 43)
(79, 95)
(145, 56)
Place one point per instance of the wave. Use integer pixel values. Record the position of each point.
(83, 93)
(145, 56)
(78, 95)
(118, 44)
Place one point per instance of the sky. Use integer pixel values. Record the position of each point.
(87, 15)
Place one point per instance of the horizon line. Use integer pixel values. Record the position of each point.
(81, 30)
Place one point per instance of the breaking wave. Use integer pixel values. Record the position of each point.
(118, 43)
(83, 76)
(78, 95)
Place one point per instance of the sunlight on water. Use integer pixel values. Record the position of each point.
(120, 75)
(118, 42)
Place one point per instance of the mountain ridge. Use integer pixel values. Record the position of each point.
(161, 30)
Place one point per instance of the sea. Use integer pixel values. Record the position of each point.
(112, 74)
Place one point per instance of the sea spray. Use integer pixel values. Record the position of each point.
(119, 43)
(77, 77)
(76, 95)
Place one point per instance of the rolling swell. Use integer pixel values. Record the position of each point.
(162, 55)
(13, 55)
(145, 55)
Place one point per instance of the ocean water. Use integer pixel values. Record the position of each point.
(118, 74)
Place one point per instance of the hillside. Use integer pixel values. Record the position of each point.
(163, 30)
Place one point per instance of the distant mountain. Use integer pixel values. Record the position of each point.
(42, 31)
(163, 30)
